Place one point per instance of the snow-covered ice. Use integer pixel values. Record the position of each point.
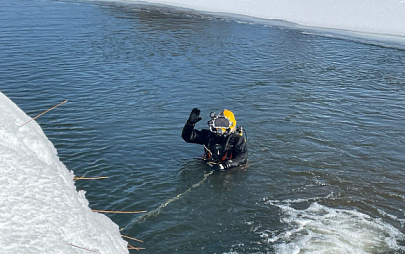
(384, 17)
(41, 211)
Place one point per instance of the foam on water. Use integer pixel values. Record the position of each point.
(321, 229)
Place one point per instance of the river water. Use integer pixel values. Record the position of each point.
(325, 118)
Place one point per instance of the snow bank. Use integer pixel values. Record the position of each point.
(369, 16)
(41, 211)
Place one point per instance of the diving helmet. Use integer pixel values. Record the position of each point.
(222, 123)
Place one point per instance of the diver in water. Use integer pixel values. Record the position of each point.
(224, 143)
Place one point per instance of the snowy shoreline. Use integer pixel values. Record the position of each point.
(373, 17)
(42, 212)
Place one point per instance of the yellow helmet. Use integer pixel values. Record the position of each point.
(224, 123)
(230, 116)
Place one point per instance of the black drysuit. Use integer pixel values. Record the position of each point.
(230, 150)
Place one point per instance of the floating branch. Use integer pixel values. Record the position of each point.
(46, 111)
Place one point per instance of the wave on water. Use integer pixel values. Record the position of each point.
(321, 229)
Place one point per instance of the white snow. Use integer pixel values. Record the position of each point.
(41, 211)
(385, 17)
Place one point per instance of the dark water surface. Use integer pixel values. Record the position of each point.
(325, 119)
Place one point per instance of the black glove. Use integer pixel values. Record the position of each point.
(194, 116)
(223, 165)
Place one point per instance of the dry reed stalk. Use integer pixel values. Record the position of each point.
(89, 178)
(102, 211)
(46, 111)
(130, 247)
(132, 238)
(82, 248)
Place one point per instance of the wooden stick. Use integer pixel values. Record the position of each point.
(136, 248)
(43, 113)
(130, 247)
(81, 247)
(132, 238)
(89, 178)
(102, 211)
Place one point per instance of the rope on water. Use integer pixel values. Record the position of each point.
(157, 210)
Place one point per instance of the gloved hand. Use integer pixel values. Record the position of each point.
(223, 165)
(194, 116)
